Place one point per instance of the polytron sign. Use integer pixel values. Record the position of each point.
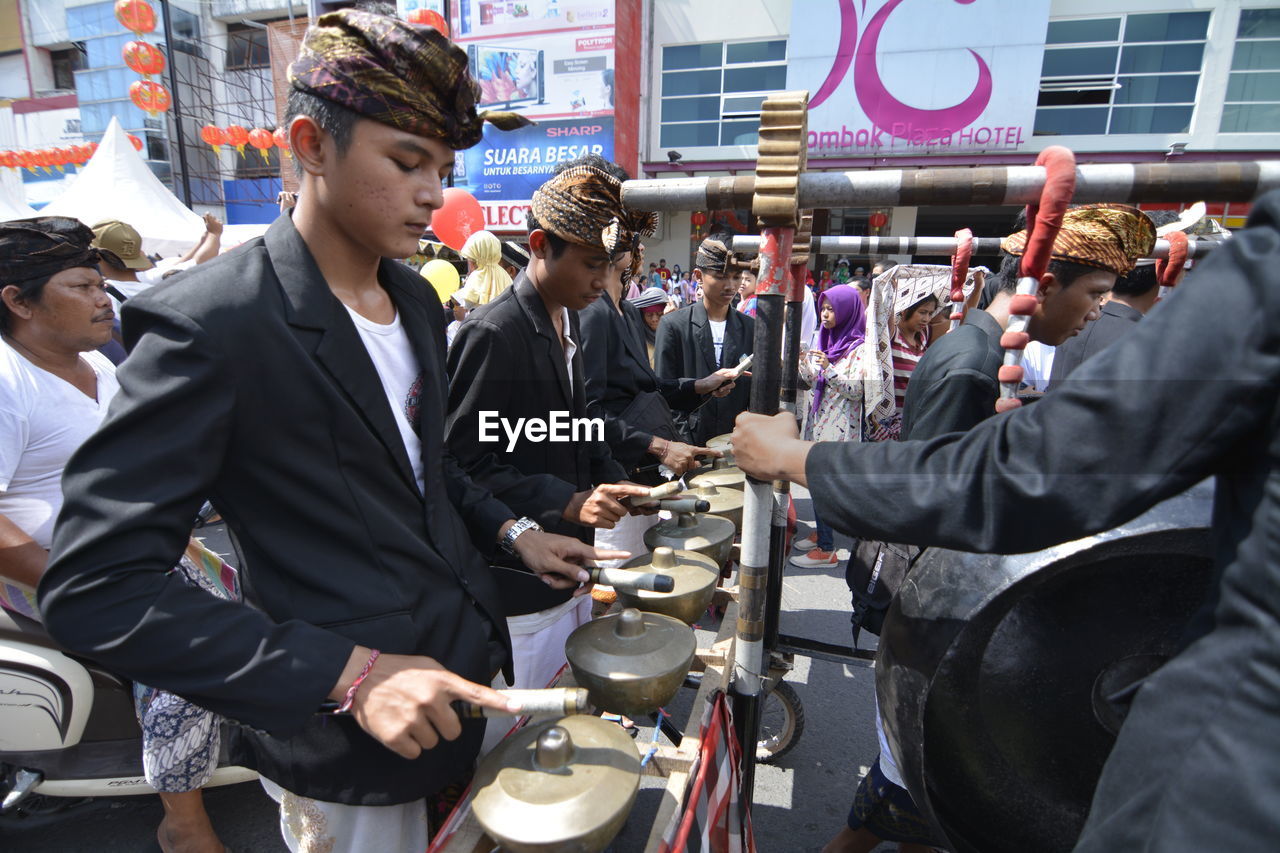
(917, 76)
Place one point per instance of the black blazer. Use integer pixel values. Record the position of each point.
(685, 347)
(507, 359)
(1116, 322)
(248, 385)
(616, 366)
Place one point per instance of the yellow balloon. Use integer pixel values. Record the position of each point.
(443, 277)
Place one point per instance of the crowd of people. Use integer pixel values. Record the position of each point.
(393, 557)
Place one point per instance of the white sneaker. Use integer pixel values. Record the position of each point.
(808, 543)
(816, 559)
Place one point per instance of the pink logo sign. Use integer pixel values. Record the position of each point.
(885, 111)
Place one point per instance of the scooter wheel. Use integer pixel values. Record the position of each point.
(781, 723)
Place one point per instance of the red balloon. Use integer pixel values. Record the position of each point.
(430, 18)
(136, 15)
(137, 143)
(458, 218)
(877, 220)
(143, 57)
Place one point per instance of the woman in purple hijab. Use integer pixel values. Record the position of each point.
(834, 370)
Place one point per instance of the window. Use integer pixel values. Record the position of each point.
(1252, 104)
(247, 47)
(711, 93)
(186, 31)
(1127, 74)
(65, 65)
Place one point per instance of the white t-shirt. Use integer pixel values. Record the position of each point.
(43, 420)
(717, 336)
(397, 367)
(1037, 364)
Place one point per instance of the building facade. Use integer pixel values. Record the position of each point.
(1121, 80)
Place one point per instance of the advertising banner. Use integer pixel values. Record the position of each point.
(902, 77)
(507, 166)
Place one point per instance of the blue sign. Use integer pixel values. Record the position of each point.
(510, 165)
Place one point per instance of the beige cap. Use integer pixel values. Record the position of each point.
(123, 241)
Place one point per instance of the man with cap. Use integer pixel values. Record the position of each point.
(1192, 392)
(706, 337)
(954, 385)
(129, 271)
(518, 358)
(298, 382)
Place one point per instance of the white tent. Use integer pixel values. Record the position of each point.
(13, 208)
(117, 184)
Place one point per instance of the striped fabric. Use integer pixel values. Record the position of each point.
(713, 820)
(905, 358)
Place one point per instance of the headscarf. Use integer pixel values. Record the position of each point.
(847, 334)
(40, 248)
(488, 279)
(407, 76)
(1108, 237)
(583, 204)
(650, 299)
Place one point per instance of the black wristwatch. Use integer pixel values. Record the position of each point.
(514, 532)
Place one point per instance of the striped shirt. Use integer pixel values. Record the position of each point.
(905, 358)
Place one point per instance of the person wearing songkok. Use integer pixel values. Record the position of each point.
(520, 356)
(706, 337)
(582, 205)
(954, 385)
(1192, 392)
(1133, 297)
(307, 372)
(54, 391)
(653, 303)
(487, 279)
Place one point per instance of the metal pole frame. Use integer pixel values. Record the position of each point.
(746, 244)
(177, 104)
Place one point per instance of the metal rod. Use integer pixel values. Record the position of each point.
(983, 185)
(748, 244)
(177, 102)
(758, 509)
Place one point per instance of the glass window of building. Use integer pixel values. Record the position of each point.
(1252, 104)
(247, 47)
(1135, 73)
(711, 93)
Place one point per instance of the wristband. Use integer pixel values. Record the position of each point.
(355, 685)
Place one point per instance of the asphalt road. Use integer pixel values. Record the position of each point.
(800, 802)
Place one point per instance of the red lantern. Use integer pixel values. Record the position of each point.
(143, 57)
(213, 135)
(93, 149)
(877, 220)
(149, 96)
(458, 218)
(430, 18)
(27, 160)
(262, 139)
(281, 137)
(698, 219)
(237, 136)
(63, 157)
(137, 143)
(136, 16)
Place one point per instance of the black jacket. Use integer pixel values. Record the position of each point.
(954, 385)
(1115, 322)
(1192, 392)
(508, 359)
(685, 347)
(248, 384)
(616, 366)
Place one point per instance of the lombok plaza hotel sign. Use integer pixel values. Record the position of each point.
(900, 77)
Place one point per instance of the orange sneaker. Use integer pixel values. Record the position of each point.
(808, 543)
(816, 559)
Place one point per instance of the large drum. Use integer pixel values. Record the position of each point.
(1003, 679)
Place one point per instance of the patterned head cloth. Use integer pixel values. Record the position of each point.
(38, 249)
(714, 256)
(583, 204)
(409, 77)
(1108, 237)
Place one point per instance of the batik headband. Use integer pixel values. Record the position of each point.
(1109, 237)
(409, 77)
(583, 204)
(40, 248)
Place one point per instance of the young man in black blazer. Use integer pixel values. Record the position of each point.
(519, 358)
(298, 382)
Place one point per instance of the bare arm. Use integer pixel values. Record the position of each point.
(21, 559)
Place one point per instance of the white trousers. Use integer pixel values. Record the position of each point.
(314, 826)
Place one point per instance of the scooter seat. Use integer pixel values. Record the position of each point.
(15, 627)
